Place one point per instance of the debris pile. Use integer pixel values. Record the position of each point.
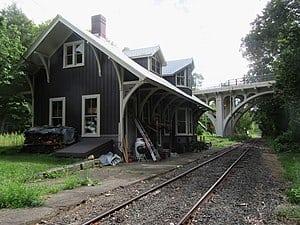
(47, 139)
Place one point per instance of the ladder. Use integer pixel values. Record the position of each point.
(154, 153)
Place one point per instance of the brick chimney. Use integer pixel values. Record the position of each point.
(99, 25)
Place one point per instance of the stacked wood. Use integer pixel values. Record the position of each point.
(47, 139)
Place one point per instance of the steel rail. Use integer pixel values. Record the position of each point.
(188, 215)
(124, 204)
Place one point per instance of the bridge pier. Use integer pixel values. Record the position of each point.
(219, 116)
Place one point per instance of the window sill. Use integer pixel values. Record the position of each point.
(90, 135)
(72, 66)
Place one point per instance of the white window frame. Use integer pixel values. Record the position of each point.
(73, 44)
(51, 100)
(155, 65)
(186, 128)
(188, 122)
(83, 98)
(182, 73)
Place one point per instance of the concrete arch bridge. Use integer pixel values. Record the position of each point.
(233, 98)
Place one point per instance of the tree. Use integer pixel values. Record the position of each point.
(273, 46)
(11, 51)
(14, 16)
(12, 108)
(197, 80)
(17, 33)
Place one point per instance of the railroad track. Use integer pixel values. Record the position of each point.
(209, 174)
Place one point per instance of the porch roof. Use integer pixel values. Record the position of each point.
(60, 29)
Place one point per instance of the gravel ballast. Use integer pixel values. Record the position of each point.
(248, 196)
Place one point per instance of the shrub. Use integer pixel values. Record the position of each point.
(294, 195)
(286, 142)
(17, 195)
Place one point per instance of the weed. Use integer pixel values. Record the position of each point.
(54, 174)
(294, 195)
(218, 142)
(71, 182)
(13, 139)
(17, 195)
(134, 172)
(290, 212)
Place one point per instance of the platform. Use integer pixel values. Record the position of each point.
(86, 147)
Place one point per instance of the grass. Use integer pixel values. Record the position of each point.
(13, 139)
(22, 185)
(291, 164)
(218, 142)
(134, 172)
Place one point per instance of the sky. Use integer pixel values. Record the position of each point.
(209, 31)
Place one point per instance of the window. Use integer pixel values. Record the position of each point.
(181, 78)
(91, 115)
(57, 107)
(190, 121)
(181, 121)
(189, 76)
(167, 123)
(184, 119)
(155, 65)
(74, 54)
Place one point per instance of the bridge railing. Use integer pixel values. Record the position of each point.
(248, 80)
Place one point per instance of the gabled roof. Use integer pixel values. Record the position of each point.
(145, 52)
(176, 65)
(60, 29)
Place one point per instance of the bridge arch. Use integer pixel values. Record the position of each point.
(240, 109)
(233, 98)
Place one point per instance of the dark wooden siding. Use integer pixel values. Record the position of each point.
(74, 82)
(186, 90)
(142, 61)
(171, 79)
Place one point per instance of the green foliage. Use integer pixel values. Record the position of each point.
(14, 16)
(294, 195)
(289, 212)
(291, 165)
(17, 33)
(18, 195)
(21, 182)
(71, 182)
(11, 51)
(218, 142)
(12, 139)
(243, 126)
(286, 142)
(205, 125)
(14, 113)
(273, 46)
(54, 174)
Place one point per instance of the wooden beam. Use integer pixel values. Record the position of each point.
(97, 59)
(45, 64)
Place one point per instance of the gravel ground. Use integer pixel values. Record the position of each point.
(248, 196)
(169, 204)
